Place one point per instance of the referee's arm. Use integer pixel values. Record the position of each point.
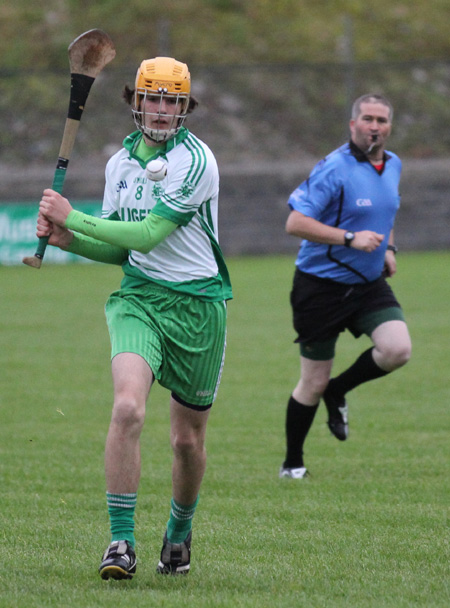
(310, 229)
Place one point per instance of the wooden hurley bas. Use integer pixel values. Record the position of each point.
(88, 55)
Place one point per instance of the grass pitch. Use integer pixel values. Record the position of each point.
(369, 529)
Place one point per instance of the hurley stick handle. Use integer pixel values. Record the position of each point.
(88, 54)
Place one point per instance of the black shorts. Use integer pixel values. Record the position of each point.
(322, 309)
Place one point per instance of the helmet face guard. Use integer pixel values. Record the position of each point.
(161, 97)
(159, 123)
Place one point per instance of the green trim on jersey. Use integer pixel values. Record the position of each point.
(162, 210)
(164, 206)
(212, 289)
(208, 215)
(145, 152)
(132, 144)
(193, 177)
(197, 152)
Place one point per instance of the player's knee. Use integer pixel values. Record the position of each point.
(403, 355)
(315, 393)
(128, 411)
(186, 444)
(310, 389)
(396, 356)
(317, 385)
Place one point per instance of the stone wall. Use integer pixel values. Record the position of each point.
(254, 210)
(253, 198)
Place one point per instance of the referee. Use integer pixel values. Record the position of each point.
(344, 213)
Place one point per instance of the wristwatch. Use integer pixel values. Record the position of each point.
(392, 248)
(348, 238)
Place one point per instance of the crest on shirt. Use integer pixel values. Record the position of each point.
(186, 189)
(157, 191)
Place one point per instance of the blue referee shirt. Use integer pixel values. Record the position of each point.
(345, 190)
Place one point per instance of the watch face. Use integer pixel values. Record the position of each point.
(348, 238)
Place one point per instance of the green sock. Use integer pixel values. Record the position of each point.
(121, 516)
(180, 521)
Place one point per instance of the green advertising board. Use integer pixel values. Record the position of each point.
(18, 233)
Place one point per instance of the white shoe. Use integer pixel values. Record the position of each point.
(299, 473)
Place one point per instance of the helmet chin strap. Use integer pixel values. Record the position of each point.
(159, 135)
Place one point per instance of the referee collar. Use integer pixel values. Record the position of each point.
(361, 157)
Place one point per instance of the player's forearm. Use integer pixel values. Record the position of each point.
(312, 230)
(95, 250)
(140, 236)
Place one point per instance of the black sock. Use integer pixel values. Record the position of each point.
(362, 370)
(299, 419)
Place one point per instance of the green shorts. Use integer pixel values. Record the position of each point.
(181, 337)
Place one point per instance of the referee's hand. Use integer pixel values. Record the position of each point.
(390, 264)
(366, 240)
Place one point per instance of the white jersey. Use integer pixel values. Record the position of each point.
(188, 196)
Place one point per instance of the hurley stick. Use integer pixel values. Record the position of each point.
(88, 55)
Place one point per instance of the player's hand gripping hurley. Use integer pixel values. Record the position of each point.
(88, 55)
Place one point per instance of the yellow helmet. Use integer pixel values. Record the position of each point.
(164, 72)
(162, 80)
